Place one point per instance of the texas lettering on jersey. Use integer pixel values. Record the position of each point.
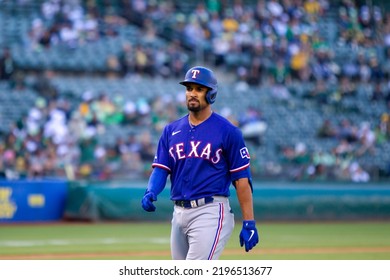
(197, 151)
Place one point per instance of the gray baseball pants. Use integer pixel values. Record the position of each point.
(201, 233)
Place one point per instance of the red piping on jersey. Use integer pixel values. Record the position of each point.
(240, 168)
(161, 166)
(218, 233)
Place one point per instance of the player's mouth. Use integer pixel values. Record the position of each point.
(193, 101)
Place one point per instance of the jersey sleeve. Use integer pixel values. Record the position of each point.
(238, 156)
(161, 158)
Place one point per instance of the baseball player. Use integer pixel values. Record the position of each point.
(203, 153)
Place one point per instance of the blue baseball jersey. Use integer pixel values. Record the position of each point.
(201, 159)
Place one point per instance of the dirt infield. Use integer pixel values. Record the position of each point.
(166, 254)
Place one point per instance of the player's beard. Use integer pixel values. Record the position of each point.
(194, 105)
(194, 108)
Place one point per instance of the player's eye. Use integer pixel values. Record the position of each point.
(201, 89)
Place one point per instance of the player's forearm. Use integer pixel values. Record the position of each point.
(157, 180)
(245, 199)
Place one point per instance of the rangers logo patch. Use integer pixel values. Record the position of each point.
(245, 153)
(194, 73)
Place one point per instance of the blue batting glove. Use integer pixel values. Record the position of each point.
(147, 201)
(249, 235)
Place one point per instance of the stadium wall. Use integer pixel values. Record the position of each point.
(272, 201)
(32, 201)
(51, 200)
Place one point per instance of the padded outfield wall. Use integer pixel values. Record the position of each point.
(272, 201)
(51, 201)
(32, 200)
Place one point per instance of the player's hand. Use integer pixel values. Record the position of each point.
(147, 201)
(249, 235)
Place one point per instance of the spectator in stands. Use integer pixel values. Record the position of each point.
(126, 59)
(101, 169)
(347, 131)
(380, 136)
(323, 162)
(55, 127)
(8, 157)
(84, 106)
(45, 39)
(147, 150)
(132, 143)
(128, 150)
(321, 65)
(50, 165)
(327, 130)
(103, 107)
(37, 162)
(220, 46)
(77, 126)
(194, 34)
(143, 61)
(215, 26)
(344, 149)
(159, 109)
(299, 63)
(241, 85)
(94, 126)
(253, 125)
(120, 147)
(36, 116)
(68, 35)
(366, 139)
(44, 86)
(300, 159)
(358, 174)
(313, 8)
(131, 116)
(87, 148)
(280, 91)
(177, 60)
(7, 65)
(279, 72)
(364, 70)
(376, 70)
(320, 93)
(49, 9)
(384, 125)
(302, 155)
(387, 97)
(113, 66)
(347, 88)
(255, 72)
(378, 93)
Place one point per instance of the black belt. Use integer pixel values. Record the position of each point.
(194, 203)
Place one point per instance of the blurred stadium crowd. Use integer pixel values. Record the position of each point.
(87, 86)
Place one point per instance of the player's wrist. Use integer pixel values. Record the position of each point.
(151, 194)
(248, 223)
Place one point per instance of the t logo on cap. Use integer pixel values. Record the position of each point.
(194, 73)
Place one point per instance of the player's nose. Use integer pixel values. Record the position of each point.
(192, 94)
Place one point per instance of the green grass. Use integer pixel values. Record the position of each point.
(143, 241)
